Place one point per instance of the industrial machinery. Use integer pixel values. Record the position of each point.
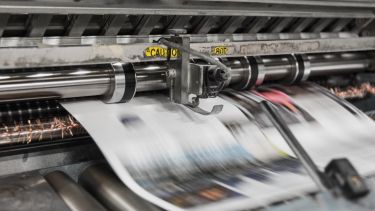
(191, 50)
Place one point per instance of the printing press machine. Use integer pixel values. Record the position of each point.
(52, 50)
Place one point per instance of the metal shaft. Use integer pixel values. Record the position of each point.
(107, 188)
(55, 82)
(111, 81)
(74, 196)
(328, 64)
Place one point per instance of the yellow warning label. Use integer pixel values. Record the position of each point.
(219, 51)
(157, 51)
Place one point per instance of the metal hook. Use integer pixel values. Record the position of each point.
(215, 109)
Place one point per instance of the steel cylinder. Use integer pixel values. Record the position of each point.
(55, 82)
(118, 82)
(74, 196)
(107, 188)
(276, 67)
(329, 64)
(150, 76)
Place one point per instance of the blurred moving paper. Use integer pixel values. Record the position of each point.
(181, 160)
(327, 126)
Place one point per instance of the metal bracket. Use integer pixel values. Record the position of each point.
(179, 86)
(190, 82)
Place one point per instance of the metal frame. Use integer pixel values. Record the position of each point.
(94, 53)
(237, 8)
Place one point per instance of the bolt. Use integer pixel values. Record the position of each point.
(171, 73)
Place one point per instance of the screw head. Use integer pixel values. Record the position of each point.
(171, 73)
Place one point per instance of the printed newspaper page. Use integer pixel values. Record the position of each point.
(326, 126)
(181, 160)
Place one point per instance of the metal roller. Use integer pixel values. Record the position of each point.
(328, 64)
(150, 76)
(74, 196)
(119, 82)
(55, 82)
(111, 81)
(107, 188)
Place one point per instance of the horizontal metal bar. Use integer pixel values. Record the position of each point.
(7, 42)
(63, 82)
(334, 3)
(180, 8)
(100, 80)
(49, 56)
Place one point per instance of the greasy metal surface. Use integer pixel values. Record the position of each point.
(28, 192)
(74, 195)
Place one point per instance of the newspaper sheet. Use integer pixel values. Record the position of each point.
(326, 126)
(181, 160)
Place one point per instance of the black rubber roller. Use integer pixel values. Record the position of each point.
(130, 82)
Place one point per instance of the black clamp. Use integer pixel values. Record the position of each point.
(344, 176)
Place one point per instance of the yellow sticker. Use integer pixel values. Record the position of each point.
(219, 50)
(160, 52)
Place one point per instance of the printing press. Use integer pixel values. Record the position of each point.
(117, 50)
